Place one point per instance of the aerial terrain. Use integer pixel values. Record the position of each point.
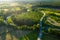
(20, 20)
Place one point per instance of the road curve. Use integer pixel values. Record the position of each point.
(40, 33)
(43, 15)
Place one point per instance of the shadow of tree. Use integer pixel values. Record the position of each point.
(8, 33)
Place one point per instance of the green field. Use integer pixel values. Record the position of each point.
(13, 19)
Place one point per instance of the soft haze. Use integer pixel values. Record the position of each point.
(29, 0)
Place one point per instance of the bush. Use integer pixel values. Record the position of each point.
(1, 21)
(28, 18)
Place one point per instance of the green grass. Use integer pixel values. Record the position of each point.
(33, 36)
(33, 17)
(49, 37)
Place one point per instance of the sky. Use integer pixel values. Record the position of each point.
(30, 0)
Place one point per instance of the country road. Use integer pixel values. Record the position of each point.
(50, 20)
(40, 32)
